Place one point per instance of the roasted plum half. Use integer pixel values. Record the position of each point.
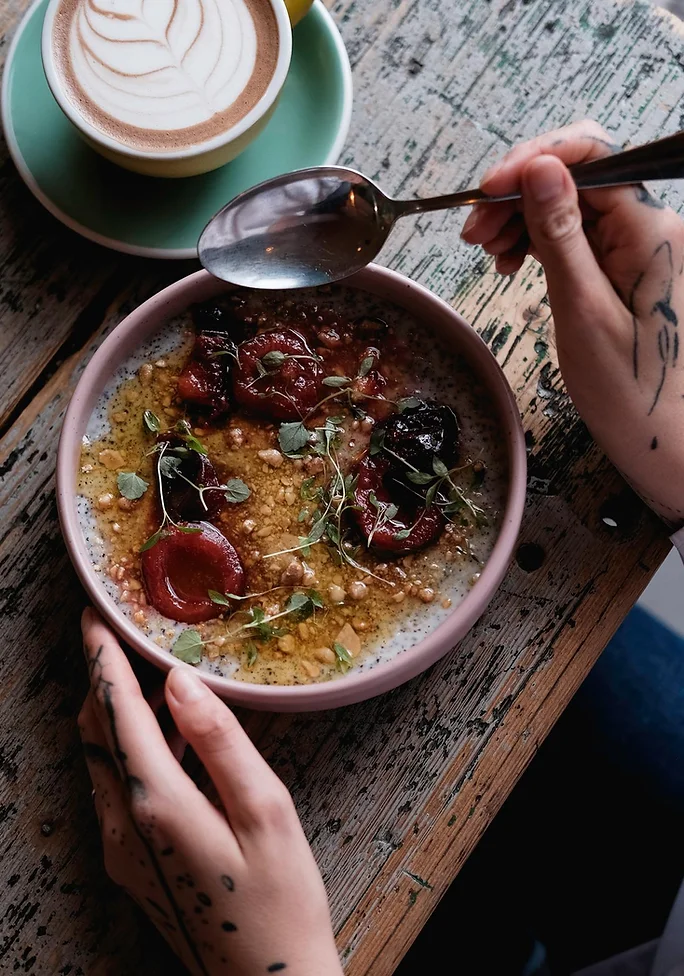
(204, 381)
(177, 465)
(420, 434)
(182, 567)
(410, 527)
(277, 375)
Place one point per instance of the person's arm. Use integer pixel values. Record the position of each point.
(613, 260)
(234, 891)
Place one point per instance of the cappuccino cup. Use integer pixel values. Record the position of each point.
(167, 87)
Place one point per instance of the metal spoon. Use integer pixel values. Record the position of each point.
(322, 224)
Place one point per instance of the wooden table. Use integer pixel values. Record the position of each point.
(394, 793)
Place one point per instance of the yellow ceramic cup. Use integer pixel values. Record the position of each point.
(196, 159)
(297, 9)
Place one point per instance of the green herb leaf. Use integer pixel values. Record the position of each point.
(303, 515)
(439, 467)
(219, 598)
(152, 421)
(336, 381)
(305, 489)
(430, 494)
(195, 445)
(131, 485)
(344, 658)
(153, 540)
(372, 498)
(366, 366)
(408, 403)
(390, 511)
(377, 441)
(420, 477)
(189, 529)
(184, 429)
(316, 599)
(169, 466)
(403, 534)
(293, 436)
(300, 604)
(252, 654)
(317, 529)
(188, 647)
(236, 491)
(274, 359)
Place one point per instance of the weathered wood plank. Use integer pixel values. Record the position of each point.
(393, 793)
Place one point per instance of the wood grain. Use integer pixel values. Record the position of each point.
(393, 793)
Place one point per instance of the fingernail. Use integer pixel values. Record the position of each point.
(544, 179)
(185, 685)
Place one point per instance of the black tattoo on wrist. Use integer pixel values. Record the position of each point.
(663, 317)
(228, 927)
(276, 967)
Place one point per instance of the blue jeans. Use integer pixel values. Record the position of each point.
(588, 852)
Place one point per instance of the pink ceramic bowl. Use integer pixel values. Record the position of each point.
(436, 315)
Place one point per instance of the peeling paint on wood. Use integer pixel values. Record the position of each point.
(393, 793)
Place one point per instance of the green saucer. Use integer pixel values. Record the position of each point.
(163, 218)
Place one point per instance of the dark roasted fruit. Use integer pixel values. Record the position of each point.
(370, 328)
(424, 525)
(421, 433)
(204, 381)
(210, 317)
(182, 501)
(181, 568)
(278, 376)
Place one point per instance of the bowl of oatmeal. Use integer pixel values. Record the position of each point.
(308, 496)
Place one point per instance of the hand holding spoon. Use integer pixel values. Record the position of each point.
(319, 225)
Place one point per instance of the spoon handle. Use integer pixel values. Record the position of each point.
(660, 160)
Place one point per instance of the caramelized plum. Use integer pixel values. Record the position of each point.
(182, 500)
(204, 381)
(182, 567)
(423, 525)
(277, 375)
(421, 433)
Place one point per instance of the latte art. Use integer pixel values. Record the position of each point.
(158, 74)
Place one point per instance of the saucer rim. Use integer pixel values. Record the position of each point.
(177, 253)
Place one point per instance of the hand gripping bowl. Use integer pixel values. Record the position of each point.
(151, 317)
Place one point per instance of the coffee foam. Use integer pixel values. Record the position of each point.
(162, 75)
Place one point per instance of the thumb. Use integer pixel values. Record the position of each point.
(554, 223)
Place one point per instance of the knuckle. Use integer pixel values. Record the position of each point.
(560, 224)
(273, 808)
(594, 128)
(212, 729)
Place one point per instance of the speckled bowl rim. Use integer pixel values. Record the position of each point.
(433, 313)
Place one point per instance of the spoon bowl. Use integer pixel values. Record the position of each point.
(298, 230)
